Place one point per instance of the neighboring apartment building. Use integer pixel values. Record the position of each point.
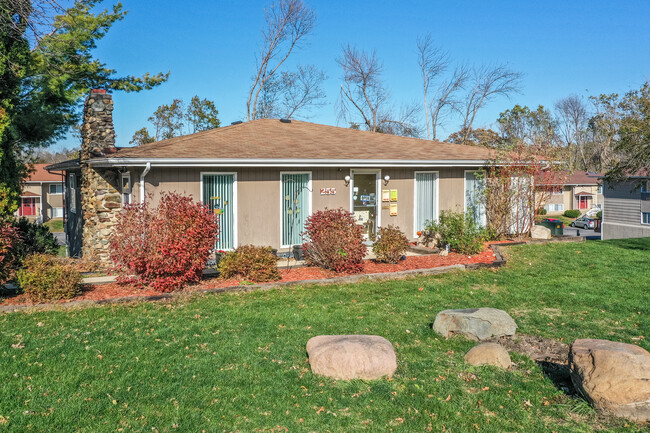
(582, 190)
(41, 198)
(626, 212)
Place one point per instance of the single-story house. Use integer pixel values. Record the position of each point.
(41, 198)
(265, 177)
(582, 190)
(626, 211)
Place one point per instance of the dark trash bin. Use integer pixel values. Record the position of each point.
(556, 227)
(297, 252)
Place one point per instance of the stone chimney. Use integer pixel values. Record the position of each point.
(100, 196)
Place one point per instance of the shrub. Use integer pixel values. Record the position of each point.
(390, 245)
(164, 247)
(459, 231)
(572, 213)
(9, 242)
(253, 263)
(542, 211)
(36, 239)
(46, 278)
(333, 240)
(599, 215)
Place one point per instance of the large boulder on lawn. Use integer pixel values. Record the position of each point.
(614, 377)
(540, 232)
(351, 356)
(474, 323)
(489, 354)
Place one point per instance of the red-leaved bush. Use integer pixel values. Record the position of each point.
(333, 240)
(391, 244)
(9, 240)
(164, 247)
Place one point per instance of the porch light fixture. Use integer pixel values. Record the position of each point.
(347, 180)
(386, 179)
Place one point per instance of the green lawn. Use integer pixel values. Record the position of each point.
(238, 363)
(54, 225)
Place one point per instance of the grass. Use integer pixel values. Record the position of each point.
(237, 362)
(54, 225)
(566, 220)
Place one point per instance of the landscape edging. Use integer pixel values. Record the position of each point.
(346, 279)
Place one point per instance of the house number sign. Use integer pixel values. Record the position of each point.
(328, 191)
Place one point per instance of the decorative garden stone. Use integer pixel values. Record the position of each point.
(540, 232)
(488, 354)
(351, 356)
(474, 323)
(614, 377)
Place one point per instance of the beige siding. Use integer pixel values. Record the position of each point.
(259, 195)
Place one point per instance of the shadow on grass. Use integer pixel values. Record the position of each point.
(639, 244)
(560, 375)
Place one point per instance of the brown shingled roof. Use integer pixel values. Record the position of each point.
(42, 175)
(582, 178)
(273, 139)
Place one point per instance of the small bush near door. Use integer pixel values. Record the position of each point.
(459, 231)
(390, 245)
(333, 240)
(164, 247)
(47, 278)
(572, 213)
(252, 263)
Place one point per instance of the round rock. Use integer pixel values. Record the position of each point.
(614, 377)
(474, 323)
(489, 354)
(346, 357)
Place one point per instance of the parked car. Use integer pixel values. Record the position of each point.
(553, 220)
(584, 222)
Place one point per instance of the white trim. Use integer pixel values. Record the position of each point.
(261, 162)
(310, 189)
(642, 223)
(143, 192)
(235, 213)
(55, 184)
(482, 223)
(415, 199)
(377, 172)
(129, 191)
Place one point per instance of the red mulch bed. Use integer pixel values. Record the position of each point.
(115, 290)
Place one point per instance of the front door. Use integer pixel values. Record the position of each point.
(364, 201)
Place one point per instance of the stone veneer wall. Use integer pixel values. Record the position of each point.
(100, 196)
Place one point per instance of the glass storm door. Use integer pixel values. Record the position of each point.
(364, 202)
(426, 189)
(295, 207)
(218, 194)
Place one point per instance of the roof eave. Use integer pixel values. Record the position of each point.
(352, 163)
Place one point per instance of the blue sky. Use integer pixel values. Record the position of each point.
(562, 48)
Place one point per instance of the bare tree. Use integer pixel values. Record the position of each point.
(291, 93)
(445, 100)
(288, 22)
(572, 124)
(364, 94)
(433, 62)
(489, 82)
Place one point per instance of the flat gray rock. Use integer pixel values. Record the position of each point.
(540, 232)
(489, 354)
(474, 323)
(614, 377)
(346, 357)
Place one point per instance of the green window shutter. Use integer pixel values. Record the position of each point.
(295, 206)
(218, 194)
(426, 200)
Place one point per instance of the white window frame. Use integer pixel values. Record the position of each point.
(129, 193)
(235, 213)
(415, 199)
(72, 187)
(481, 223)
(378, 208)
(644, 223)
(600, 189)
(54, 209)
(49, 189)
(645, 186)
(310, 190)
